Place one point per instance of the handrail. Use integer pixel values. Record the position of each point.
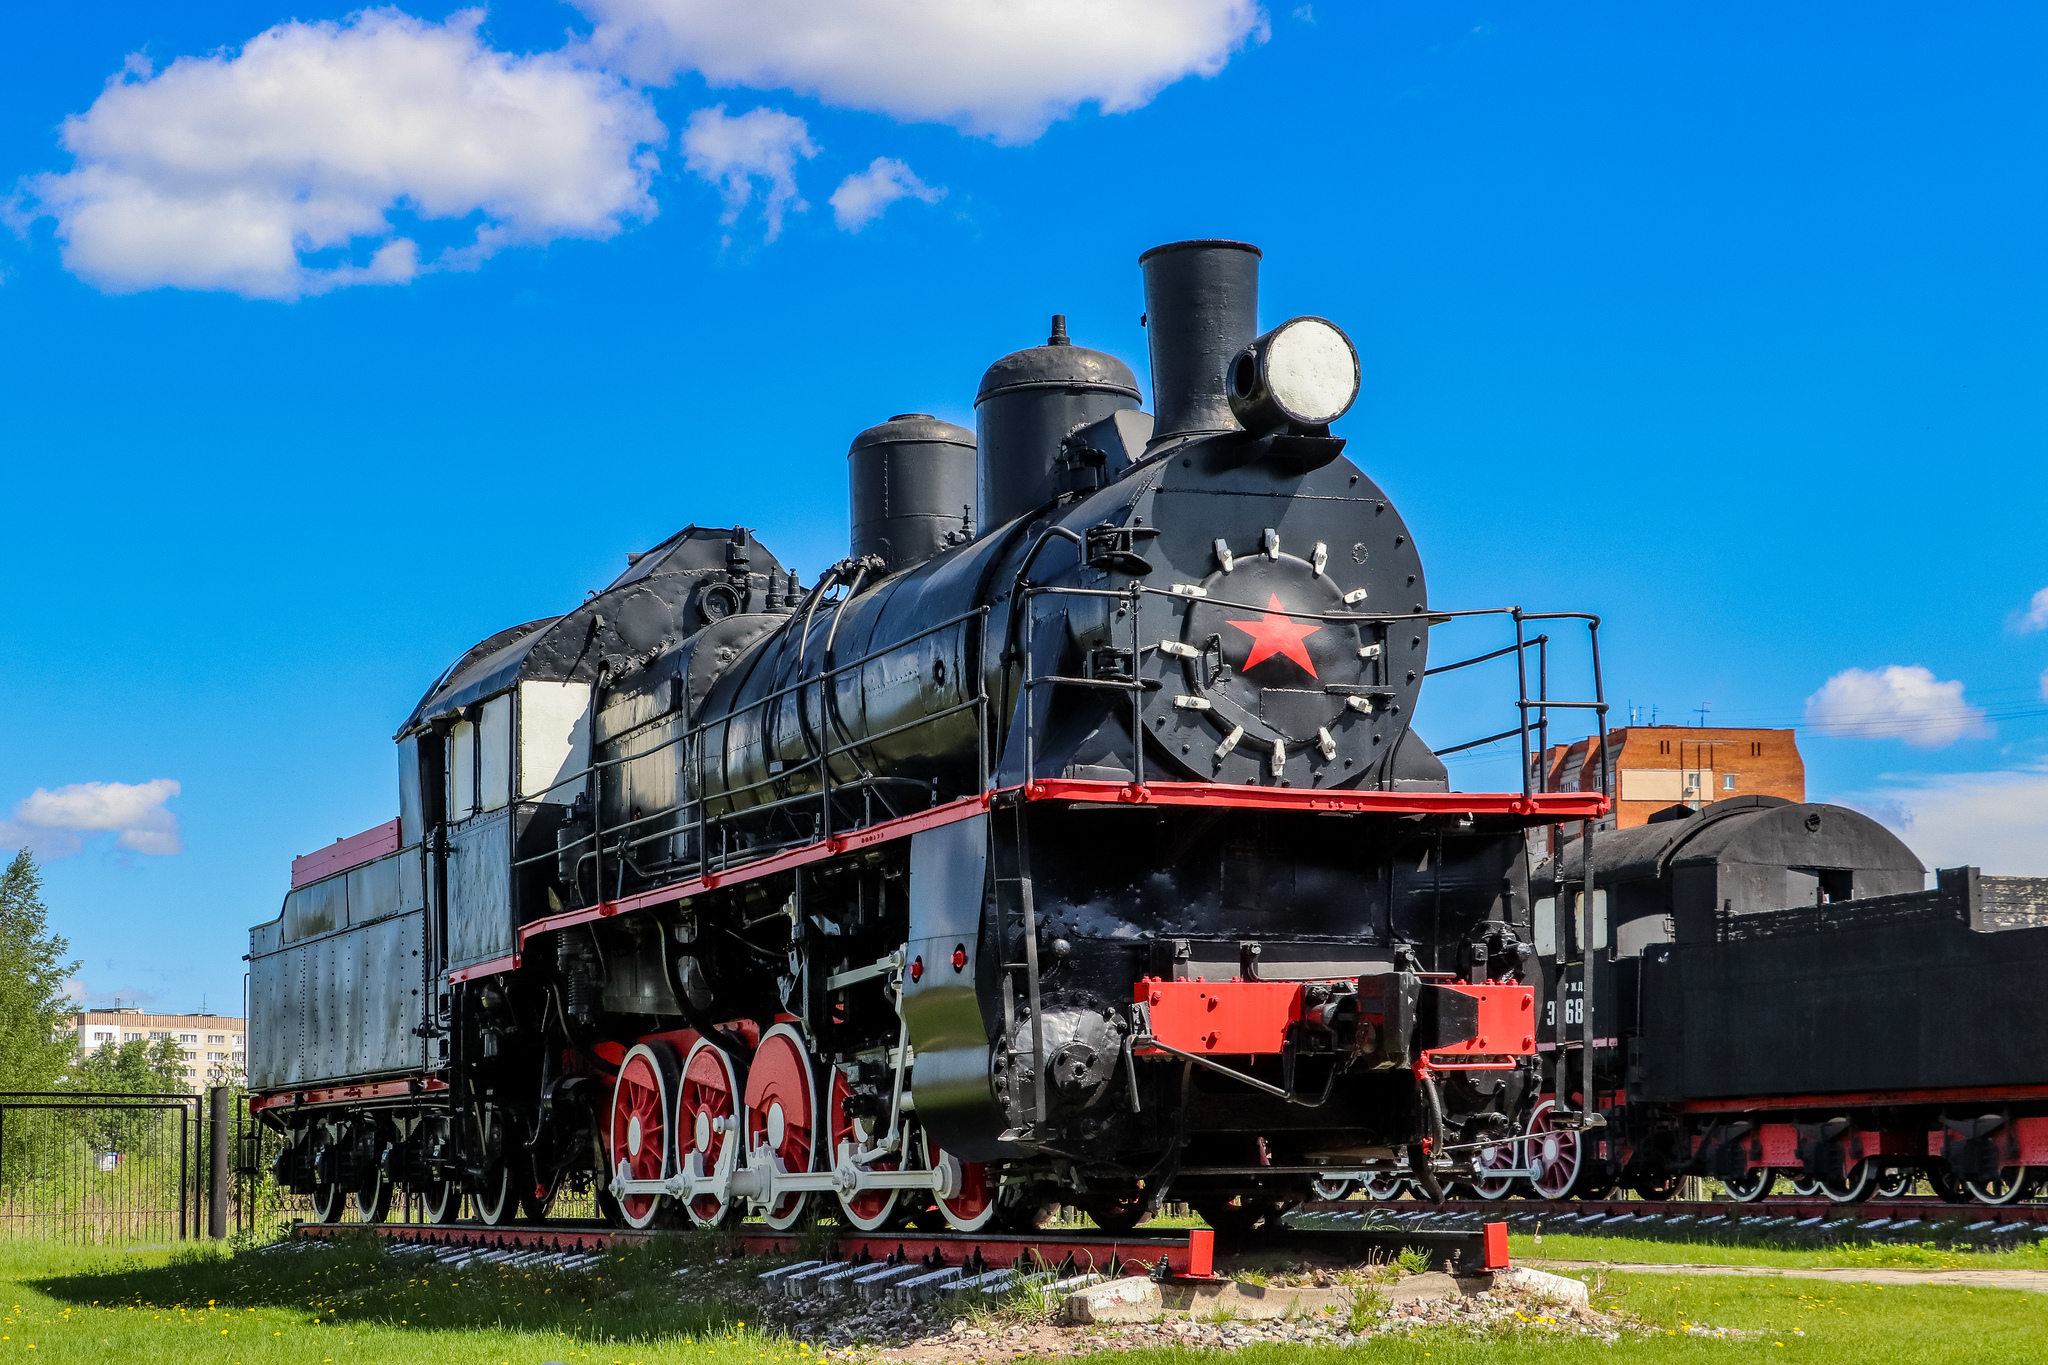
(751, 706)
(694, 815)
(1541, 704)
(595, 844)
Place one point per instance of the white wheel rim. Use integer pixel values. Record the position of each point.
(2010, 1193)
(1554, 1155)
(775, 1123)
(703, 1128)
(662, 1062)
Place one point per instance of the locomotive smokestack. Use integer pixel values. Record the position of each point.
(1201, 309)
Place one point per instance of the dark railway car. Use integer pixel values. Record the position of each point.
(1070, 841)
(1777, 997)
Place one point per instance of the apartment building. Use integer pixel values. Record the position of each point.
(214, 1045)
(1654, 767)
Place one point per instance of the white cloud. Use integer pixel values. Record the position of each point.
(1894, 702)
(55, 824)
(2035, 616)
(866, 195)
(733, 153)
(1997, 821)
(224, 172)
(1004, 68)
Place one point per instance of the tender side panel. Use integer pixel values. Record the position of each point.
(335, 982)
(1900, 1006)
(338, 1008)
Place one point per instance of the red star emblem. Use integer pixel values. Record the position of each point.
(1274, 633)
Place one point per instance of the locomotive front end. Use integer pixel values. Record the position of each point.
(1242, 940)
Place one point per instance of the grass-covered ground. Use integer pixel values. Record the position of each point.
(350, 1304)
(1783, 1321)
(354, 1305)
(1644, 1251)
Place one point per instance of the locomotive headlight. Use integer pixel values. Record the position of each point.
(1304, 373)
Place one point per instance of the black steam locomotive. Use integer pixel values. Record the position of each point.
(1069, 841)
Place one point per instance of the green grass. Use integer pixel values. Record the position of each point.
(351, 1304)
(1642, 1250)
(1794, 1321)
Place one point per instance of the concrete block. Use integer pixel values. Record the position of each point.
(1133, 1299)
(1427, 1287)
(801, 1283)
(994, 1281)
(1544, 1285)
(839, 1280)
(924, 1288)
(1220, 1299)
(874, 1282)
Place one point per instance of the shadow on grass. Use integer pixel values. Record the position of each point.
(631, 1295)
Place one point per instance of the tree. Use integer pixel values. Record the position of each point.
(137, 1067)
(32, 972)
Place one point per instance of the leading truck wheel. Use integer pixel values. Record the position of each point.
(973, 1199)
(1497, 1156)
(707, 1127)
(640, 1129)
(1553, 1152)
(782, 1115)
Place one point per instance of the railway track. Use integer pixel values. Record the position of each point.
(1471, 1234)
(1467, 1242)
(1908, 1220)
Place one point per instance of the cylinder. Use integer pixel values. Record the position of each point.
(912, 480)
(1029, 402)
(1201, 310)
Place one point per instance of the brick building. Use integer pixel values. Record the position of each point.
(1655, 767)
(215, 1046)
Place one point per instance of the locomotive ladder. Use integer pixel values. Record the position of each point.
(1017, 913)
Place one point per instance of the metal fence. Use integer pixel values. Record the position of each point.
(101, 1168)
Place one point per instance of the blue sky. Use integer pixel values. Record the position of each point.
(1723, 321)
